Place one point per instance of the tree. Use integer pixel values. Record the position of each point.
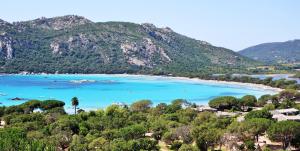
(175, 105)
(29, 106)
(256, 126)
(133, 132)
(15, 139)
(263, 100)
(141, 106)
(284, 131)
(115, 117)
(223, 102)
(159, 109)
(49, 104)
(259, 114)
(248, 101)
(75, 103)
(2, 110)
(207, 136)
(288, 94)
(158, 127)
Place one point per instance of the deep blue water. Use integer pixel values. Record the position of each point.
(104, 90)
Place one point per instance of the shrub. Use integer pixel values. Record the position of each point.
(176, 145)
(259, 114)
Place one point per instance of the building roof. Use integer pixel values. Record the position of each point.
(205, 108)
(228, 114)
(283, 111)
(282, 117)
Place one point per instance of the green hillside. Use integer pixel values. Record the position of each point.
(73, 44)
(276, 52)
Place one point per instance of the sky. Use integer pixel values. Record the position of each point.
(233, 24)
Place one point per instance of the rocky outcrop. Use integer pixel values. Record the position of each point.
(56, 23)
(143, 54)
(78, 41)
(55, 47)
(6, 48)
(158, 33)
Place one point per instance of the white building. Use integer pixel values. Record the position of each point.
(290, 114)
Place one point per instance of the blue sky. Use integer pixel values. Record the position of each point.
(234, 24)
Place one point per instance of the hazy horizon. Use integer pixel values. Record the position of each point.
(232, 24)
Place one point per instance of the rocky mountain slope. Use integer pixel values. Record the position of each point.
(74, 44)
(276, 52)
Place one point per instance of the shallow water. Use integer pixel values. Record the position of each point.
(98, 91)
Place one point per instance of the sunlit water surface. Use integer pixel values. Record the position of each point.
(98, 91)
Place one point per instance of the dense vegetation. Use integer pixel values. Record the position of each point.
(52, 45)
(297, 75)
(280, 83)
(127, 128)
(276, 52)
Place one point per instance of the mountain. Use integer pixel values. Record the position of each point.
(74, 44)
(276, 52)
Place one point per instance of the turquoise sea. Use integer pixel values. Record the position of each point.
(98, 91)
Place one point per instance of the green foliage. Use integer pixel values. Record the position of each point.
(15, 139)
(277, 52)
(78, 143)
(140, 127)
(285, 132)
(186, 147)
(141, 106)
(289, 95)
(176, 145)
(250, 145)
(50, 104)
(263, 100)
(133, 145)
(132, 132)
(223, 102)
(255, 127)
(207, 136)
(2, 110)
(297, 75)
(248, 100)
(93, 51)
(75, 103)
(259, 114)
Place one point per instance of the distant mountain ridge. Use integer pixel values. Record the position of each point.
(74, 44)
(275, 52)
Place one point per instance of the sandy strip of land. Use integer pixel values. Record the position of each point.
(197, 80)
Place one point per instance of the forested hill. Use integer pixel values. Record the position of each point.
(74, 44)
(276, 52)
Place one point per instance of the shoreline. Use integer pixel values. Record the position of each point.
(181, 79)
(247, 86)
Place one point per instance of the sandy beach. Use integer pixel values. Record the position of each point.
(197, 80)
